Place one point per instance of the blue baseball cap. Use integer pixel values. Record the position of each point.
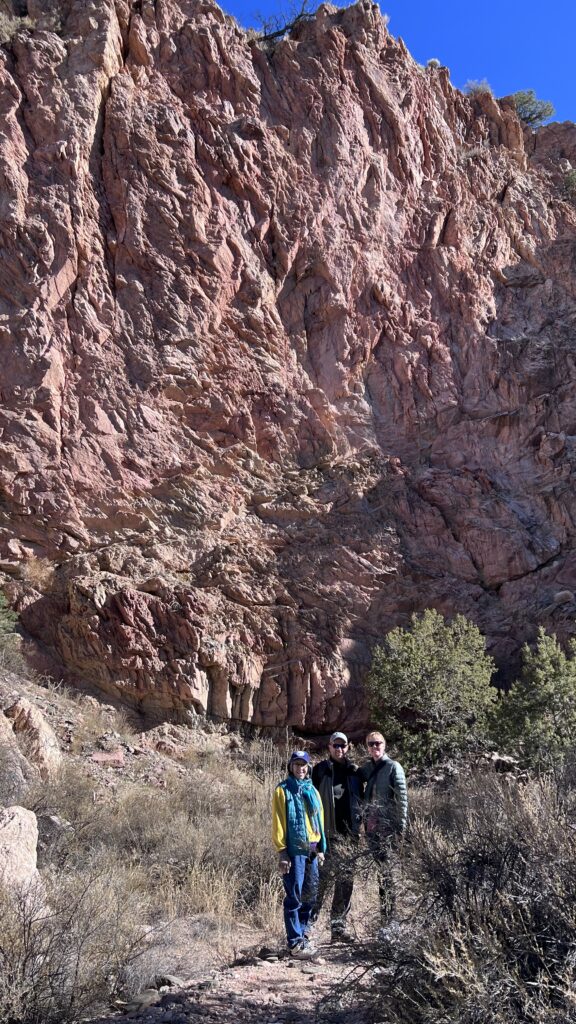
(300, 755)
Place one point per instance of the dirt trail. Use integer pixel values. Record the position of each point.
(270, 989)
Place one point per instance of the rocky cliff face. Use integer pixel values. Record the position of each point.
(287, 352)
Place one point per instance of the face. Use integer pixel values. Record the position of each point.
(299, 769)
(338, 750)
(375, 747)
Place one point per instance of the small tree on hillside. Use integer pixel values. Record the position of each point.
(536, 719)
(285, 18)
(429, 686)
(530, 109)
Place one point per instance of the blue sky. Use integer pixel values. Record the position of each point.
(514, 45)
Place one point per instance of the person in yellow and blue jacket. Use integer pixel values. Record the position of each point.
(298, 835)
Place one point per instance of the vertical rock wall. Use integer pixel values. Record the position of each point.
(286, 353)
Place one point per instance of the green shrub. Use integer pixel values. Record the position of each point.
(570, 185)
(530, 109)
(10, 656)
(536, 719)
(8, 620)
(429, 686)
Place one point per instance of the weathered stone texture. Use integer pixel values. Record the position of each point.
(38, 737)
(18, 839)
(15, 770)
(286, 353)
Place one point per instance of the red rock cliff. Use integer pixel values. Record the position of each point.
(287, 353)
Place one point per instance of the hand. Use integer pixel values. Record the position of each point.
(320, 859)
(283, 863)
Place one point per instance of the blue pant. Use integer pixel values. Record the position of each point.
(301, 886)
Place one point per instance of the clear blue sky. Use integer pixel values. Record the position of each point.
(513, 44)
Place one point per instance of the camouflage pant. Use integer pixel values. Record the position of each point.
(381, 850)
(337, 870)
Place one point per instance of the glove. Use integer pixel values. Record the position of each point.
(320, 859)
(283, 862)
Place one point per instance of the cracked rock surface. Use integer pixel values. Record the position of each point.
(286, 354)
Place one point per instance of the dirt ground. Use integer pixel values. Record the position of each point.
(264, 987)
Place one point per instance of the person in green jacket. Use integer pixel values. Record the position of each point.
(385, 815)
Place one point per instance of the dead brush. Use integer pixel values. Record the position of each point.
(71, 794)
(487, 930)
(65, 946)
(131, 862)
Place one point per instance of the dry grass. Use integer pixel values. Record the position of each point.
(197, 849)
(10, 24)
(39, 573)
(95, 721)
(466, 155)
(138, 864)
(182, 867)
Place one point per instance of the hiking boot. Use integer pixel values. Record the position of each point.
(303, 951)
(342, 934)
(308, 943)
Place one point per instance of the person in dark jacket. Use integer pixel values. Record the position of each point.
(336, 779)
(385, 815)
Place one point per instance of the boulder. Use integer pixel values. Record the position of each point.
(18, 841)
(40, 740)
(15, 770)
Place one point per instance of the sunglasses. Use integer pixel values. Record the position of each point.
(339, 746)
(374, 743)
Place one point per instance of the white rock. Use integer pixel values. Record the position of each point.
(18, 839)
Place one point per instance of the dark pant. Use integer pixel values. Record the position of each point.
(301, 887)
(338, 869)
(380, 847)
